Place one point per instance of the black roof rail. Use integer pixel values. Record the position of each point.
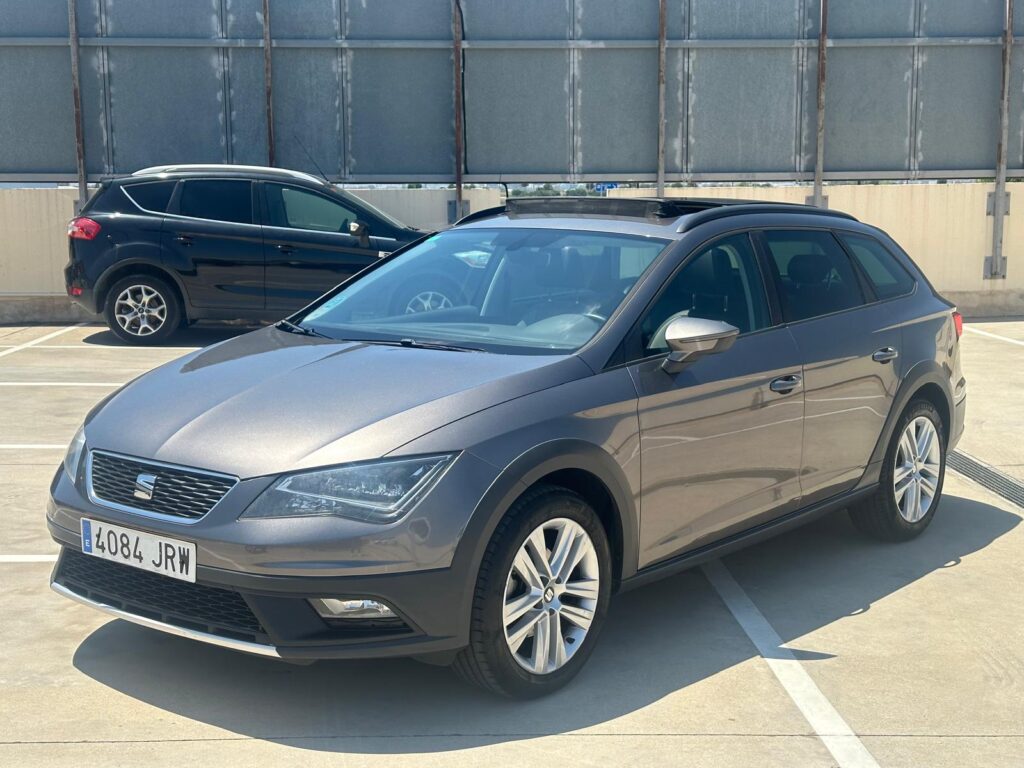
(744, 208)
(697, 210)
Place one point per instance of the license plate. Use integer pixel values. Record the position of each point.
(157, 554)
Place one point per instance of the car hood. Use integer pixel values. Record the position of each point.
(272, 401)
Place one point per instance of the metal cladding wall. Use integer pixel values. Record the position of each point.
(553, 89)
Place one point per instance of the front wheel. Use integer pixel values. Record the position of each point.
(541, 596)
(911, 482)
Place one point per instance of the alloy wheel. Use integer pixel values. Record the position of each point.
(551, 596)
(915, 476)
(426, 301)
(140, 310)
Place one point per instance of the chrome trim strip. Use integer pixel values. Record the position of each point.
(203, 637)
(100, 502)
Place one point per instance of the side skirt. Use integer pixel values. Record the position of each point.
(743, 539)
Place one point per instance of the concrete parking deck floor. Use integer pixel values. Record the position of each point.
(918, 648)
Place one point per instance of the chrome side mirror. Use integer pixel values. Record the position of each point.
(690, 338)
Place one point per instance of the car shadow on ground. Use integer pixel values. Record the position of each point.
(658, 640)
(200, 335)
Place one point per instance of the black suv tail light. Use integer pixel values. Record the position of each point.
(83, 228)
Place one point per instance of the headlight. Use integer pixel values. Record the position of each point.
(76, 450)
(374, 492)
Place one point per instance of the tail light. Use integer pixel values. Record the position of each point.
(958, 322)
(83, 228)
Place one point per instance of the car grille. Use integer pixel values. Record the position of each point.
(193, 606)
(178, 492)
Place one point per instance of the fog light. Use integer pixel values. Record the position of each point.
(330, 608)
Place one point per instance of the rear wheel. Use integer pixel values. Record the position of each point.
(541, 596)
(912, 475)
(142, 309)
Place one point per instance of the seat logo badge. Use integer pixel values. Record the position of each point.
(144, 486)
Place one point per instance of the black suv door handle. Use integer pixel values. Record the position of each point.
(785, 384)
(885, 354)
(285, 248)
(184, 240)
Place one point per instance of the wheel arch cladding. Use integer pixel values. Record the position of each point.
(928, 381)
(121, 270)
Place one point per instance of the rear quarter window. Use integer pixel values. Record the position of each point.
(152, 196)
(886, 275)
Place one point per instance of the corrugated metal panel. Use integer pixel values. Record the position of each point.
(553, 89)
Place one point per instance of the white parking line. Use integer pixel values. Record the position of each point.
(828, 724)
(27, 559)
(1018, 342)
(41, 339)
(61, 383)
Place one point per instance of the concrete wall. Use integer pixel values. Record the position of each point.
(34, 247)
(942, 226)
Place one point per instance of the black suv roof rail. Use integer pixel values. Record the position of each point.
(744, 207)
(697, 210)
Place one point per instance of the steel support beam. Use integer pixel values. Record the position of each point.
(457, 101)
(819, 157)
(995, 265)
(662, 27)
(76, 95)
(268, 83)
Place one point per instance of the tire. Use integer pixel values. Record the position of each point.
(488, 661)
(424, 293)
(882, 516)
(159, 301)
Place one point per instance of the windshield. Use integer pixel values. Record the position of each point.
(516, 291)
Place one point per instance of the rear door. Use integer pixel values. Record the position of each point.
(849, 348)
(720, 440)
(307, 244)
(211, 240)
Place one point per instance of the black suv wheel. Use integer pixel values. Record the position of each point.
(142, 309)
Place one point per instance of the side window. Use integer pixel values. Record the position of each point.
(815, 276)
(217, 199)
(300, 209)
(719, 283)
(153, 195)
(886, 275)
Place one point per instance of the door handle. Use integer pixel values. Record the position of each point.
(284, 248)
(885, 354)
(184, 240)
(785, 384)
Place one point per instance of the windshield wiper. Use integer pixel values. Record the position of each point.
(288, 325)
(414, 344)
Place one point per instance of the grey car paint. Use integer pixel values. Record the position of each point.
(272, 402)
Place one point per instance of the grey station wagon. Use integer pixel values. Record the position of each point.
(627, 388)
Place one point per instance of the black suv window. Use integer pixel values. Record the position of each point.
(301, 209)
(153, 195)
(886, 275)
(814, 273)
(218, 199)
(722, 282)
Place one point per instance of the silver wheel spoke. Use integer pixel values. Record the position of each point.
(928, 485)
(542, 631)
(519, 606)
(581, 617)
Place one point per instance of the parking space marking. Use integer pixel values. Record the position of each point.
(41, 339)
(1018, 342)
(828, 724)
(27, 559)
(61, 383)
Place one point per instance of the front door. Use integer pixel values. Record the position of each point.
(213, 245)
(720, 440)
(308, 246)
(850, 352)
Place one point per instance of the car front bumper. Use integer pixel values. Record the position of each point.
(271, 615)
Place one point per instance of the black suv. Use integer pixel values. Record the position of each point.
(170, 245)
